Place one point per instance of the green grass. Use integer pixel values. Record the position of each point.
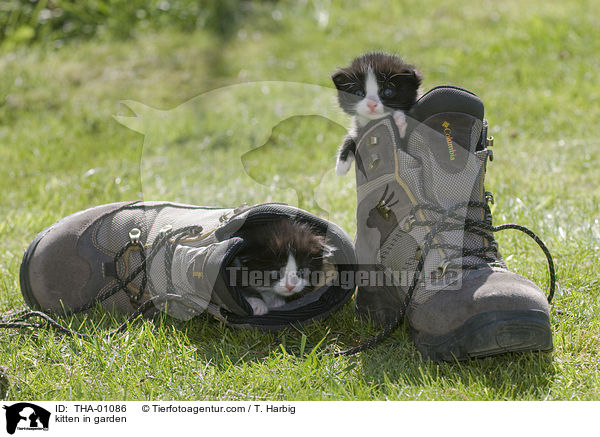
(534, 64)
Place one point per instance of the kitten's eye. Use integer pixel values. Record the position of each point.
(387, 92)
(359, 93)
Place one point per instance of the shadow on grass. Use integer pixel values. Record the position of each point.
(508, 376)
(221, 345)
(392, 369)
(389, 366)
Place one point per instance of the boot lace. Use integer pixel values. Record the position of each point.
(168, 238)
(451, 220)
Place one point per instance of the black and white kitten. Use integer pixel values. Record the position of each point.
(280, 256)
(373, 86)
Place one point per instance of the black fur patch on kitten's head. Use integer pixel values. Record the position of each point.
(401, 79)
(268, 246)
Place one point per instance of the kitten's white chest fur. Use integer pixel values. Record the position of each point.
(273, 296)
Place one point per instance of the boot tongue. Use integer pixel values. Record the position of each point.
(184, 270)
(448, 136)
(196, 276)
(446, 129)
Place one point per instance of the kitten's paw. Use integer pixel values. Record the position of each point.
(400, 119)
(342, 166)
(259, 307)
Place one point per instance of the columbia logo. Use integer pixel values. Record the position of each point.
(448, 135)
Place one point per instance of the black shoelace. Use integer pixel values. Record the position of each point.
(169, 239)
(450, 220)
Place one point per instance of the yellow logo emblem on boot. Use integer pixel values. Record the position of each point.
(448, 135)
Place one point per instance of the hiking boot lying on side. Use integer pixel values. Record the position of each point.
(181, 258)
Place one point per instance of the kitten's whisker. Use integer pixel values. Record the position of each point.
(399, 74)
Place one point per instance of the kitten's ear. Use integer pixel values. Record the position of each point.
(417, 76)
(338, 78)
(327, 250)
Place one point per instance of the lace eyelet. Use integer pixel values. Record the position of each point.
(165, 229)
(196, 230)
(440, 271)
(240, 208)
(408, 223)
(374, 161)
(134, 236)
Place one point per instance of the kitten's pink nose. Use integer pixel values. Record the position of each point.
(291, 282)
(371, 104)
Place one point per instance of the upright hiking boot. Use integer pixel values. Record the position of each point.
(175, 257)
(423, 217)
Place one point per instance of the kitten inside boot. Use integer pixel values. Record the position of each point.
(278, 262)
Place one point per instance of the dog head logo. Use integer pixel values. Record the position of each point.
(26, 416)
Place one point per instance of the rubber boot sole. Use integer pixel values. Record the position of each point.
(488, 334)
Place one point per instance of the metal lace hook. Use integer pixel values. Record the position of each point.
(134, 236)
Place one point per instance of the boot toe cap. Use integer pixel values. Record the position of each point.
(54, 275)
(491, 290)
(494, 312)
